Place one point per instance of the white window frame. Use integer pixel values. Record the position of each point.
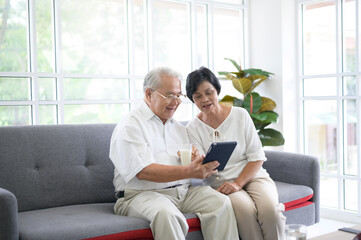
(339, 212)
(59, 75)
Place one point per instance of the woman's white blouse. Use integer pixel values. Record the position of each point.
(238, 126)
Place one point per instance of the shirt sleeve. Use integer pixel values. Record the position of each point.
(129, 151)
(254, 150)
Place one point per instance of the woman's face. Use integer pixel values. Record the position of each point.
(205, 97)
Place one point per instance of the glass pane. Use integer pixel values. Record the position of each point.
(349, 35)
(48, 114)
(350, 195)
(44, 36)
(349, 86)
(228, 89)
(134, 105)
(320, 87)
(87, 45)
(228, 38)
(321, 132)
(230, 1)
(47, 88)
(183, 89)
(328, 192)
(359, 36)
(14, 55)
(184, 111)
(139, 94)
(196, 111)
(319, 38)
(15, 89)
(15, 115)
(84, 88)
(140, 38)
(94, 113)
(350, 136)
(171, 35)
(202, 36)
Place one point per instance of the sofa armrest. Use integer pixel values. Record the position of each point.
(295, 168)
(8, 215)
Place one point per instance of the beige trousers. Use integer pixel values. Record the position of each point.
(258, 212)
(164, 208)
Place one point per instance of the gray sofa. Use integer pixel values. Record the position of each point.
(56, 183)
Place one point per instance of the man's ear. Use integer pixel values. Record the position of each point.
(148, 94)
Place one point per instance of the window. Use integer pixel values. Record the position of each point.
(331, 98)
(64, 61)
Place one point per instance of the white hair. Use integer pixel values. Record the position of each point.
(153, 78)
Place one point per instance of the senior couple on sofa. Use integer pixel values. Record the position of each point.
(240, 201)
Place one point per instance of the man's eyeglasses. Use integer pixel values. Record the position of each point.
(170, 98)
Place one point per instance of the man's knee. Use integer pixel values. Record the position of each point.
(170, 219)
(167, 215)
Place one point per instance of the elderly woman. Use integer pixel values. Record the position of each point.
(252, 192)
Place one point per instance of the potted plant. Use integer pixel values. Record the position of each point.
(260, 108)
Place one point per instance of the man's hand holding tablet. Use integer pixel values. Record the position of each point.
(221, 152)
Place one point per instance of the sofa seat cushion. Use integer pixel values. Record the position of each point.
(294, 196)
(85, 221)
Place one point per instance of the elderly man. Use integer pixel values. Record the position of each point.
(156, 186)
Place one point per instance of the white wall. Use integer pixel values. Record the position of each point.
(272, 47)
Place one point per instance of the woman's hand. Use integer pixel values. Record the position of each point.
(229, 187)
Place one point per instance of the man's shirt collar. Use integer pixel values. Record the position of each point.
(149, 114)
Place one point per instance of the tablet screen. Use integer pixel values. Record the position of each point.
(221, 152)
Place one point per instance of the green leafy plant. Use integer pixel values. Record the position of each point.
(260, 108)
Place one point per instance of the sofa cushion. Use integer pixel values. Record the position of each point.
(52, 166)
(86, 221)
(294, 196)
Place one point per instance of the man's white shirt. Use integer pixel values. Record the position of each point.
(141, 139)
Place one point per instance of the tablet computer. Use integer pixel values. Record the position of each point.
(221, 152)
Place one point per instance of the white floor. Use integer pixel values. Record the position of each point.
(327, 225)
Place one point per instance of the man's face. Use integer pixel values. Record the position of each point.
(158, 104)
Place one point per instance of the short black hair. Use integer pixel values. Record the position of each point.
(198, 76)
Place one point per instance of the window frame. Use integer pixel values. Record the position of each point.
(339, 176)
(131, 75)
